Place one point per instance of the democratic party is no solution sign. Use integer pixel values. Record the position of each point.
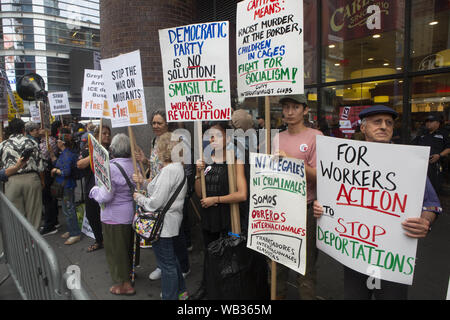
(269, 45)
(196, 72)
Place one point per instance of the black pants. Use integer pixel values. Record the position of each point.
(93, 216)
(435, 176)
(355, 288)
(49, 204)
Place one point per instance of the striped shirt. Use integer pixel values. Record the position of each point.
(12, 149)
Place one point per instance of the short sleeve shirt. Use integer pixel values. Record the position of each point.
(300, 146)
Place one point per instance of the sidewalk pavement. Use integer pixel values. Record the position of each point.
(430, 281)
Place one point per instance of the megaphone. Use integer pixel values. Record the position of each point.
(31, 87)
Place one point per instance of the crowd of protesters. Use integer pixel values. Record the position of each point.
(33, 161)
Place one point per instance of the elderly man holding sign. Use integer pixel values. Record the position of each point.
(387, 253)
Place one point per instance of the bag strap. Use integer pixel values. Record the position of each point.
(130, 185)
(174, 196)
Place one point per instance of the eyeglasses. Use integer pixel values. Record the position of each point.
(379, 122)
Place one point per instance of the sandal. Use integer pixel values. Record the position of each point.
(94, 247)
(120, 291)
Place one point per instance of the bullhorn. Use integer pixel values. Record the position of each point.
(31, 87)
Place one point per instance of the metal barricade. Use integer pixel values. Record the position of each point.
(31, 261)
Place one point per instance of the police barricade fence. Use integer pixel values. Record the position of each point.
(31, 261)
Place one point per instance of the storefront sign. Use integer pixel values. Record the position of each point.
(277, 216)
(122, 76)
(269, 44)
(59, 103)
(94, 102)
(196, 72)
(367, 191)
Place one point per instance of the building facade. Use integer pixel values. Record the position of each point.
(39, 36)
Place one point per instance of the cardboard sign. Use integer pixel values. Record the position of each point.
(100, 163)
(196, 72)
(59, 103)
(35, 113)
(122, 76)
(367, 191)
(277, 216)
(269, 45)
(94, 102)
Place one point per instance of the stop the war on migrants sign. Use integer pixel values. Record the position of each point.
(269, 45)
(195, 62)
(94, 101)
(99, 162)
(59, 103)
(367, 190)
(277, 216)
(122, 76)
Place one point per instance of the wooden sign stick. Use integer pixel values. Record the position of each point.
(200, 150)
(234, 207)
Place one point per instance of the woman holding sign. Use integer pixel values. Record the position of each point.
(215, 214)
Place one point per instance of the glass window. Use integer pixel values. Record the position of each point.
(341, 106)
(359, 42)
(430, 32)
(429, 94)
(310, 40)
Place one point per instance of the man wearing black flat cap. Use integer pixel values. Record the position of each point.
(377, 124)
(439, 142)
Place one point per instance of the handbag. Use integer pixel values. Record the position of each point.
(57, 189)
(148, 225)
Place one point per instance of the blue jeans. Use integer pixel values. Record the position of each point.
(68, 209)
(172, 281)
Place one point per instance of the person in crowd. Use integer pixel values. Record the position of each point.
(50, 203)
(378, 126)
(90, 129)
(32, 131)
(438, 140)
(260, 122)
(117, 212)
(63, 171)
(24, 188)
(5, 173)
(92, 207)
(241, 119)
(215, 213)
(299, 142)
(160, 189)
(160, 126)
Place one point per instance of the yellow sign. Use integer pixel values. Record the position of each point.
(11, 110)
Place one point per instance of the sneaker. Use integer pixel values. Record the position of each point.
(65, 235)
(185, 274)
(156, 274)
(48, 231)
(190, 248)
(57, 225)
(183, 296)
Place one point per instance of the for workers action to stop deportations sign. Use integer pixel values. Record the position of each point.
(122, 76)
(196, 72)
(277, 216)
(269, 44)
(59, 103)
(367, 190)
(99, 162)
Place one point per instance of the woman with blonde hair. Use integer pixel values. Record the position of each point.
(161, 188)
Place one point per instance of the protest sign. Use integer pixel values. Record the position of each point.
(3, 96)
(269, 44)
(15, 106)
(86, 227)
(59, 103)
(277, 215)
(99, 163)
(94, 102)
(367, 190)
(35, 113)
(122, 77)
(195, 62)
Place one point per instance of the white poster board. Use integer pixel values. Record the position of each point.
(277, 215)
(100, 163)
(86, 227)
(269, 44)
(35, 113)
(94, 103)
(59, 103)
(367, 191)
(124, 87)
(196, 71)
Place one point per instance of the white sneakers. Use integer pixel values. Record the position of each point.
(156, 274)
